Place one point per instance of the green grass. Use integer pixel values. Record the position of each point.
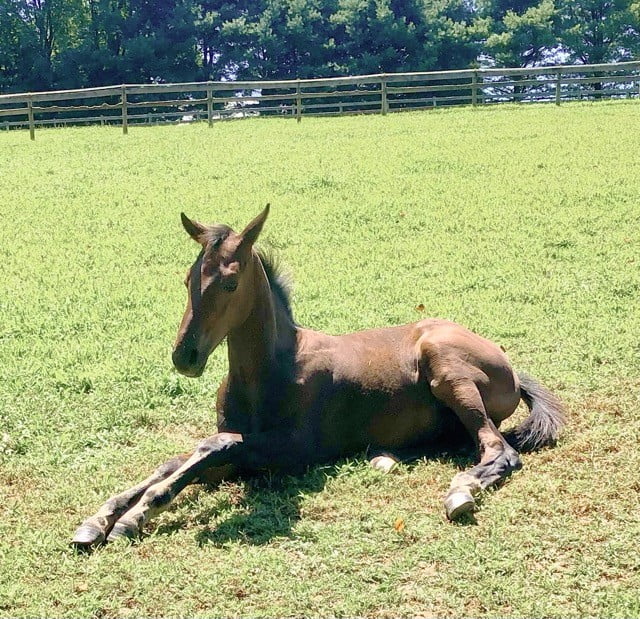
(519, 222)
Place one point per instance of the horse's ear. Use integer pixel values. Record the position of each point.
(251, 233)
(194, 229)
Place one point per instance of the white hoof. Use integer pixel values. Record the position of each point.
(459, 503)
(383, 463)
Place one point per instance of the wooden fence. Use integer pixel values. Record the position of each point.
(213, 101)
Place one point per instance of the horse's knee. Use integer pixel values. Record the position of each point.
(159, 499)
(218, 442)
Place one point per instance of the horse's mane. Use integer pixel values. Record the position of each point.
(279, 280)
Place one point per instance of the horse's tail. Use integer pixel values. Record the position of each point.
(542, 427)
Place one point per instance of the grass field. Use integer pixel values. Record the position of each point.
(519, 222)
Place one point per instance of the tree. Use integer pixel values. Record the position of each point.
(497, 9)
(417, 35)
(455, 34)
(266, 39)
(279, 39)
(291, 39)
(221, 53)
(372, 36)
(31, 32)
(18, 48)
(599, 31)
(523, 39)
(132, 41)
(81, 43)
(159, 40)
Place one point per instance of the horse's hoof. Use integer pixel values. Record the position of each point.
(386, 464)
(123, 530)
(87, 535)
(458, 503)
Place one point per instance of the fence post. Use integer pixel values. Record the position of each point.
(210, 106)
(474, 89)
(384, 103)
(558, 87)
(32, 125)
(298, 102)
(125, 120)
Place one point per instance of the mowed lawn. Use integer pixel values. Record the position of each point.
(521, 222)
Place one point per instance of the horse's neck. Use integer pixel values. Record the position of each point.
(256, 346)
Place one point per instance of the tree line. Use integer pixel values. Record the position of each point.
(47, 44)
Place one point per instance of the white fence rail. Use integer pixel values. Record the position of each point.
(213, 101)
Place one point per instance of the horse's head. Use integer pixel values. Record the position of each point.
(221, 289)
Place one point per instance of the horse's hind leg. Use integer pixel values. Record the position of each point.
(497, 458)
(94, 530)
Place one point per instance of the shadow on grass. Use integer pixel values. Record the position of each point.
(266, 507)
(269, 506)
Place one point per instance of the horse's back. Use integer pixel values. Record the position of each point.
(394, 358)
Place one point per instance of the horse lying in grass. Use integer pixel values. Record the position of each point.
(295, 397)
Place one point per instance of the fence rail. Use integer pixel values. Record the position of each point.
(130, 104)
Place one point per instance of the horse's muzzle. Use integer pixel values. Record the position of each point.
(188, 361)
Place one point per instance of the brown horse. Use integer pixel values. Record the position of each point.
(295, 397)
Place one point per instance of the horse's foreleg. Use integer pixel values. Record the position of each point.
(216, 456)
(95, 529)
(497, 458)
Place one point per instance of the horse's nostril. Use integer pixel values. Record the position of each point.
(193, 357)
